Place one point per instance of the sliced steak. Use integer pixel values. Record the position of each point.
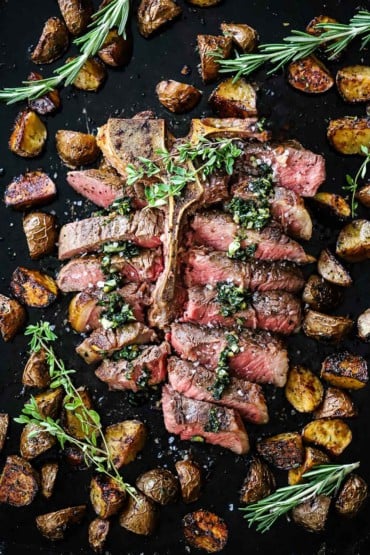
(262, 358)
(102, 187)
(143, 228)
(189, 418)
(195, 381)
(217, 230)
(205, 267)
(215, 189)
(80, 274)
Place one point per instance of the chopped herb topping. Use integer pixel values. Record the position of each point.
(127, 353)
(214, 423)
(115, 311)
(197, 439)
(231, 298)
(249, 214)
(237, 253)
(121, 206)
(143, 379)
(126, 249)
(222, 371)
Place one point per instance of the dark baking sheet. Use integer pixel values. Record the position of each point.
(126, 92)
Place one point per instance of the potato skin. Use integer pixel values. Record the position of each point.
(332, 270)
(105, 496)
(28, 136)
(313, 457)
(53, 42)
(19, 482)
(140, 515)
(152, 14)
(352, 496)
(334, 434)
(207, 44)
(353, 243)
(125, 440)
(75, 148)
(177, 97)
(284, 451)
(309, 75)
(324, 327)
(70, 420)
(353, 83)
(333, 205)
(320, 294)
(336, 404)
(190, 478)
(363, 195)
(46, 104)
(49, 402)
(53, 525)
(33, 445)
(234, 100)
(76, 14)
(312, 28)
(159, 485)
(243, 36)
(345, 370)
(4, 424)
(303, 389)
(49, 473)
(12, 317)
(41, 233)
(30, 189)
(91, 76)
(348, 134)
(363, 325)
(98, 532)
(312, 514)
(33, 288)
(205, 530)
(116, 51)
(259, 482)
(36, 371)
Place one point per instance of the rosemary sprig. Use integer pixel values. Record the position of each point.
(334, 39)
(93, 445)
(114, 14)
(353, 182)
(323, 479)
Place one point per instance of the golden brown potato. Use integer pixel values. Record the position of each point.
(332, 270)
(177, 97)
(75, 457)
(79, 309)
(41, 233)
(75, 148)
(345, 370)
(312, 28)
(76, 14)
(116, 51)
(125, 440)
(320, 294)
(106, 497)
(204, 3)
(324, 327)
(70, 418)
(353, 243)
(49, 473)
(259, 482)
(28, 136)
(49, 402)
(284, 451)
(190, 478)
(353, 83)
(310, 75)
(19, 482)
(363, 195)
(234, 99)
(53, 42)
(303, 389)
(205, 530)
(333, 205)
(140, 515)
(312, 514)
(12, 317)
(352, 496)
(36, 371)
(224, 128)
(34, 441)
(46, 104)
(91, 76)
(152, 14)
(30, 189)
(53, 525)
(336, 404)
(243, 36)
(160, 485)
(313, 457)
(363, 325)
(4, 424)
(208, 45)
(98, 532)
(348, 134)
(33, 288)
(333, 435)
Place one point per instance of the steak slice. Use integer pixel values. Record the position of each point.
(262, 358)
(195, 381)
(189, 418)
(105, 342)
(205, 267)
(276, 311)
(215, 188)
(143, 228)
(148, 369)
(217, 230)
(80, 274)
(102, 187)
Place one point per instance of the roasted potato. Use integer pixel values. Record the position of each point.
(243, 36)
(71, 417)
(91, 76)
(320, 294)
(224, 128)
(204, 3)
(48, 473)
(160, 485)
(259, 482)
(352, 496)
(363, 195)
(313, 457)
(74, 457)
(324, 327)
(46, 104)
(345, 370)
(152, 14)
(333, 435)
(140, 515)
(53, 42)
(284, 451)
(41, 233)
(205, 530)
(353, 83)
(363, 325)
(348, 134)
(75, 148)
(36, 371)
(53, 525)
(33, 288)
(116, 51)
(19, 482)
(125, 440)
(98, 532)
(106, 497)
(333, 205)
(190, 478)
(28, 136)
(30, 189)
(353, 243)
(336, 404)
(329, 267)
(4, 424)
(12, 317)
(303, 389)
(312, 28)
(234, 99)
(208, 45)
(177, 97)
(310, 75)
(34, 441)
(312, 514)
(76, 14)
(49, 402)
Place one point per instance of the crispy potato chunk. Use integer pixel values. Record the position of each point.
(303, 389)
(36, 371)
(91, 76)
(46, 104)
(33, 288)
(190, 478)
(49, 473)
(332, 270)
(224, 128)
(284, 451)
(333, 435)
(106, 497)
(71, 418)
(75, 148)
(320, 294)
(310, 75)
(116, 51)
(19, 482)
(348, 134)
(353, 83)
(53, 42)
(28, 136)
(363, 195)
(30, 189)
(4, 424)
(312, 514)
(353, 243)
(41, 233)
(53, 525)
(12, 317)
(204, 3)
(160, 485)
(152, 14)
(49, 402)
(98, 532)
(312, 28)
(243, 36)
(234, 99)
(363, 325)
(177, 97)
(207, 46)
(125, 440)
(336, 404)
(345, 370)
(313, 457)
(205, 530)
(259, 482)
(140, 515)
(34, 441)
(352, 496)
(324, 327)
(333, 205)
(76, 14)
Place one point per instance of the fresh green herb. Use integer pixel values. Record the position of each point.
(218, 154)
(93, 445)
(116, 312)
(128, 353)
(353, 182)
(214, 423)
(231, 298)
(322, 480)
(197, 439)
(113, 15)
(126, 249)
(143, 380)
(250, 214)
(222, 370)
(236, 252)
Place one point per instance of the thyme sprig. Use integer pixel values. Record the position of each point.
(114, 14)
(353, 182)
(93, 445)
(323, 479)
